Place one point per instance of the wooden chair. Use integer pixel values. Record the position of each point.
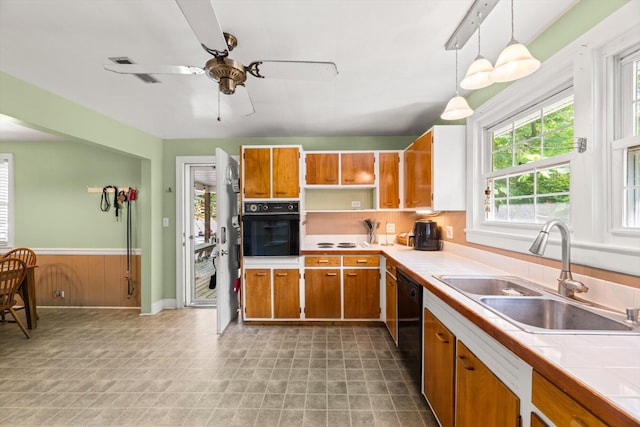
(29, 258)
(12, 273)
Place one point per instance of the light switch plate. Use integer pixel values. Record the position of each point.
(355, 203)
(449, 232)
(165, 222)
(391, 228)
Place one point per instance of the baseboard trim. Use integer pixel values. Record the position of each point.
(85, 251)
(163, 304)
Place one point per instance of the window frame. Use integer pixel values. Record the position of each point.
(10, 202)
(596, 239)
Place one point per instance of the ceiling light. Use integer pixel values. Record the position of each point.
(515, 61)
(479, 72)
(457, 107)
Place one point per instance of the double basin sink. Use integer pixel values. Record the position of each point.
(534, 309)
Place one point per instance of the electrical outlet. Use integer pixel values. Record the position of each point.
(391, 228)
(355, 203)
(59, 293)
(449, 232)
(165, 222)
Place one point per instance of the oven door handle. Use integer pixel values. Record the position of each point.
(223, 236)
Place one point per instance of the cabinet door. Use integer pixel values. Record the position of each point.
(286, 172)
(536, 421)
(257, 297)
(418, 172)
(389, 180)
(357, 168)
(481, 398)
(322, 293)
(361, 293)
(391, 309)
(286, 294)
(322, 168)
(439, 347)
(257, 175)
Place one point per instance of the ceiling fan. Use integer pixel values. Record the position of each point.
(227, 72)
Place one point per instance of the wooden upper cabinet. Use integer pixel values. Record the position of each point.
(286, 172)
(481, 398)
(418, 177)
(389, 180)
(357, 168)
(322, 169)
(256, 164)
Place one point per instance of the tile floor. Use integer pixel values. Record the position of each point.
(114, 367)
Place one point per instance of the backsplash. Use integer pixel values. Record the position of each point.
(352, 222)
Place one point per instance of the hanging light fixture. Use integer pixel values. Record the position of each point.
(457, 107)
(479, 72)
(515, 61)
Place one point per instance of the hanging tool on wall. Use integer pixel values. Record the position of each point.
(130, 196)
(105, 205)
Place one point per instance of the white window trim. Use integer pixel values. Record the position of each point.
(11, 212)
(595, 241)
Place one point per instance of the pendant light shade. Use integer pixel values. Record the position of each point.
(479, 72)
(457, 108)
(515, 61)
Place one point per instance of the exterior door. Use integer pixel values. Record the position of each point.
(227, 239)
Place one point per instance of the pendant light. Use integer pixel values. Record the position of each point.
(515, 61)
(457, 107)
(479, 73)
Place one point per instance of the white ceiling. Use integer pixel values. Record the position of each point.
(395, 76)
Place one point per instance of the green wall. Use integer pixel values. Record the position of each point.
(52, 206)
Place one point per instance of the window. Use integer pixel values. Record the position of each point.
(524, 186)
(6, 188)
(628, 138)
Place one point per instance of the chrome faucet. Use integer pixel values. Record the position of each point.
(566, 285)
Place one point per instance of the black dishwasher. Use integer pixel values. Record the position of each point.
(410, 324)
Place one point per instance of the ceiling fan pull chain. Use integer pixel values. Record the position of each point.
(219, 104)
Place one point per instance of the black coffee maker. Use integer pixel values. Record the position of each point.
(426, 235)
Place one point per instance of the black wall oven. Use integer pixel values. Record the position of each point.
(271, 229)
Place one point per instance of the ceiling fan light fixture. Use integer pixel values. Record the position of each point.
(478, 75)
(514, 62)
(457, 108)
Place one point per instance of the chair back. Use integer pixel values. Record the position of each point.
(25, 254)
(12, 272)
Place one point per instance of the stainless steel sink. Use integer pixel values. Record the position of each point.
(547, 313)
(490, 285)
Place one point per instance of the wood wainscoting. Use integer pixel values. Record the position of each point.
(87, 280)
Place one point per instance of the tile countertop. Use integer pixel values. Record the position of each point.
(608, 365)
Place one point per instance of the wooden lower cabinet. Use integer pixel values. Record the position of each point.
(559, 407)
(361, 293)
(391, 306)
(257, 297)
(439, 350)
(481, 398)
(322, 293)
(286, 293)
(536, 421)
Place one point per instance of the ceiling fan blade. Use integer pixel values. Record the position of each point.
(153, 69)
(240, 102)
(203, 21)
(294, 70)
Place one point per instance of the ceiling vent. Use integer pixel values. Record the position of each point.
(147, 78)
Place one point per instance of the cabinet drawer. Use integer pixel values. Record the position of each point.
(391, 266)
(558, 406)
(322, 261)
(361, 261)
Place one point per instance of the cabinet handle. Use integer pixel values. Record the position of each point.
(282, 274)
(441, 338)
(415, 201)
(278, 192)
(261, 274)
(332, 274)
(387, 203)
(330, 179)
(260, 192)
(349, 180)
(577, 422)
(362, 261)
(323, 261)
(352, 274)
(465, 363)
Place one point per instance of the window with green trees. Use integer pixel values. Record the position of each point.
(524, 186)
